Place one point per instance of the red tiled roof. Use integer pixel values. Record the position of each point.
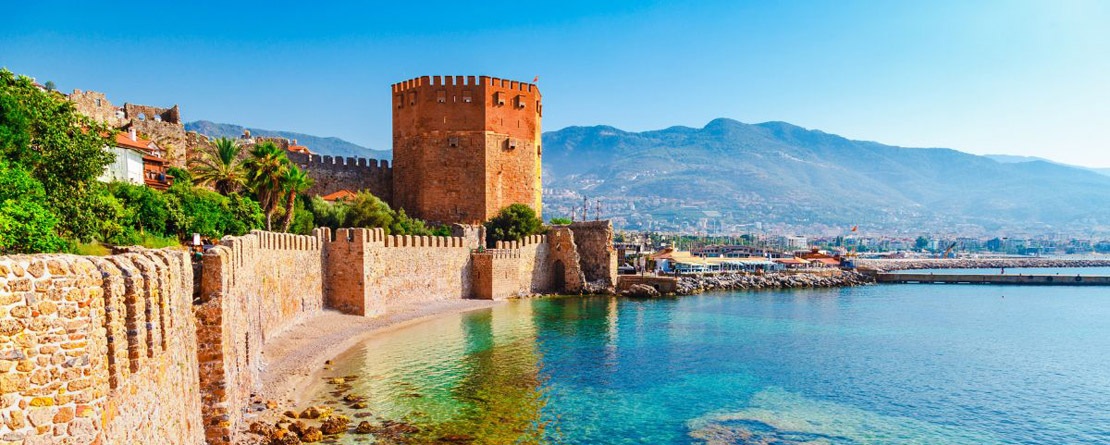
(124, 140)
(790, 261)
(340, 195)
(299, 149)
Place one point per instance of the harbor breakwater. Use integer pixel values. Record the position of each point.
(689, 285)
(883, 265)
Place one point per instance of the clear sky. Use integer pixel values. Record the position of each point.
(1016, 77)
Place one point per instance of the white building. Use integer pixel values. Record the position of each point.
(129, 165)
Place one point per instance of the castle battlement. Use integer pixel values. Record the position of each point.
(377, 238)
(461, 81)
(310, 160)
(523, 242)
(334, 173)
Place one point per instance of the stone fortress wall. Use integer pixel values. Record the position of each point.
(98, 349)
(120, 349)
(331, 174)
(253, 287)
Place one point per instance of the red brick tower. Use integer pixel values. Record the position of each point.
(465, 147)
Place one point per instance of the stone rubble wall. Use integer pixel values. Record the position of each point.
(594, 240)
(93, 349)
(254, 287)
(565, 252)
(528, 267)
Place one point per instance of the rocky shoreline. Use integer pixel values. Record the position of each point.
(689, 285)
(976, 263)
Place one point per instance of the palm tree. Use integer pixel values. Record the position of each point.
(266, 170)
(295, 181)
(219, 167)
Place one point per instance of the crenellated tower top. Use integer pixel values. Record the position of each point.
(464, 147)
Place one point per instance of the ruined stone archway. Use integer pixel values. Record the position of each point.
(558, 277)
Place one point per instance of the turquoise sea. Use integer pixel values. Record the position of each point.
(887, 364)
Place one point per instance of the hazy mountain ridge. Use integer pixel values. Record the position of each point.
(1010, 159)
(776, 171)
(331, 146)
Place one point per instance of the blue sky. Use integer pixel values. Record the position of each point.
(1017, 77)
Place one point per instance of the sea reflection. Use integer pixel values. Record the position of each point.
(471, 378)
(873, 365)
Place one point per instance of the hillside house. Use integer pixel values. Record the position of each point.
(137, 161)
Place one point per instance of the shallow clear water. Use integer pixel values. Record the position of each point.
(899, 364)
(1066, 271)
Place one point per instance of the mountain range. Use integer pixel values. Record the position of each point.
(778, 173)
(1014, 158)
(729, 176)
(330, 146)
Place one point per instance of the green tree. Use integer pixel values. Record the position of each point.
(921, 243)
(366, 210)
(560, 221)
(403, 224)
(326, 214)
(146, 209)
(512, 223)
(219, 167)
(195, 210)
(303, 219)
(244, 215)
(266, 172)
(295, 181)
(61, 149)
(26, 225)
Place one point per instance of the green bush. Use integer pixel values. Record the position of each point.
(194, 210)
(303, 219)
(512, 223)
(144, 208)
(367, 210)
(26, 224)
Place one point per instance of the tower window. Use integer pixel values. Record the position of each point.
(511, 143)
(412, 98)
(520, 101)
(400, 101)
(441, 96)
(453, 141)
(466, 96)
(499, 98)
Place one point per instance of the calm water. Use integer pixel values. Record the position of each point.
(899, 364)
(1067, 271)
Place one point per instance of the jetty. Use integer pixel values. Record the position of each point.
(1038, 280)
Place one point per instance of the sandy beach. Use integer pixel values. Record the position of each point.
(297, 355)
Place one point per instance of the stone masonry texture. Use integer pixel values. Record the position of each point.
(92, 348)
(118, 349)
(465, 147)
